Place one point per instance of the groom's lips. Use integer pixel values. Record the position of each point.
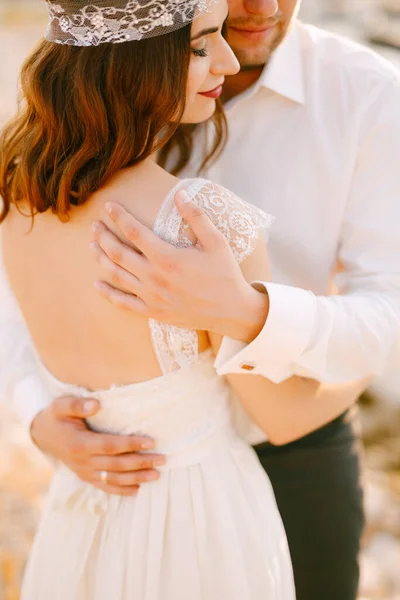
(254, 33)
(215, 93)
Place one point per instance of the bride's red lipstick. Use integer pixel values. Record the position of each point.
(215, 93)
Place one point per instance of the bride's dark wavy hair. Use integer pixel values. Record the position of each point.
(85, 113)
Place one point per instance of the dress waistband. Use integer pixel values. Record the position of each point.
(69, 492)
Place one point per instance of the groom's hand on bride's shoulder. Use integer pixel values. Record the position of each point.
(201, 287)
(60, 431)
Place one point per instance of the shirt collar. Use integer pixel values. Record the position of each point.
(285, 73)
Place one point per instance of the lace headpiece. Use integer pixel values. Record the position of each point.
(79, 23)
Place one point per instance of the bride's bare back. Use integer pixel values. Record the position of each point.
(52, 270)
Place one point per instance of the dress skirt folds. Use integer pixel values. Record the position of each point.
(208, 529)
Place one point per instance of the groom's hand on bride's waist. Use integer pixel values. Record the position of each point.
(200, 288)
(117, 464)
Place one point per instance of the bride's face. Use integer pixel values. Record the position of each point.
(211, 59)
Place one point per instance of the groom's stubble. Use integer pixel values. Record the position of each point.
(260, 54)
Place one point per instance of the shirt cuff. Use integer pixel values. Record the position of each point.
(30, 398)
(286, 335)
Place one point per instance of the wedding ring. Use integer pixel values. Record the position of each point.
(103, 476)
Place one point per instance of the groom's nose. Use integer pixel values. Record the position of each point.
(267, 8)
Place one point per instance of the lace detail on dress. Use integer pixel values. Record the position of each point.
(175, 347)
(240, 223)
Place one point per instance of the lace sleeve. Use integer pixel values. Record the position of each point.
(239, 221)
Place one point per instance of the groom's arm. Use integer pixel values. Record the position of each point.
(20, 383)
(334, 338)
(350, 335)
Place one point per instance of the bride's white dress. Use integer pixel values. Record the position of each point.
(209, 529)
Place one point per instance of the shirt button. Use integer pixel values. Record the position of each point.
(247, 366)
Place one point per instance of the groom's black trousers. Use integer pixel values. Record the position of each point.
(317, 484)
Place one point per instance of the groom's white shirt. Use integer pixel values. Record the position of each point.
(316, 142)
(20, 381)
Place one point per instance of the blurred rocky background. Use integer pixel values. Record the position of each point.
(24, 473)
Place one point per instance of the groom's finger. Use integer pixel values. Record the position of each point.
(122, 299)
(116, 491)
(114, 273)
(130, 479)
(207, 234)
(128, 463)
(138, 234)
(108, 444)
(119, 253)
(72, 407)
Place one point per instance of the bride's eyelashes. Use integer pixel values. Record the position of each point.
(200, 52)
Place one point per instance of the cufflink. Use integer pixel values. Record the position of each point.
(247, 366)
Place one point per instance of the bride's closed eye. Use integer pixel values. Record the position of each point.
(200, 52)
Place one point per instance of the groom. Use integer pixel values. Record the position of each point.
(315, 140)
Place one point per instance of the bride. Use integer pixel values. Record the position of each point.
(102, 94)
